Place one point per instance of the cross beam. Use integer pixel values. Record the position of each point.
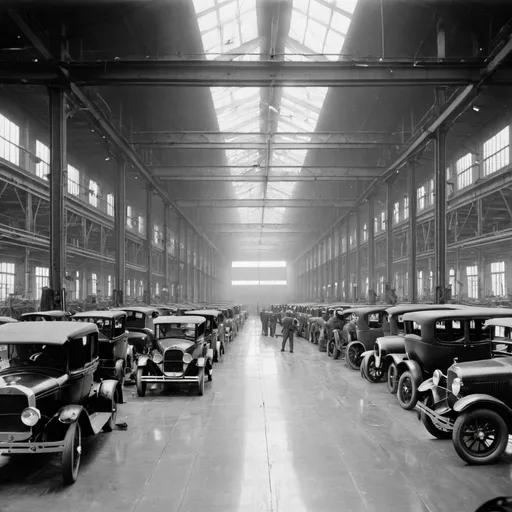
(260, 146)
(265, 203)
(353, 73)
(299, 229)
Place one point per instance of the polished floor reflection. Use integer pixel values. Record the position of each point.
(275, 432)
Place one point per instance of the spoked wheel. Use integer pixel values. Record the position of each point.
(480, 436)
(373, 374)
(429, 423)
(141, 386)
(353, 357)
(407, 392)
(200, 384)
(72, 453)
(392, 379)
(111, 423)
(331, 347)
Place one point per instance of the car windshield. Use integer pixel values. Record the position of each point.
(176, 330)
(135, 319)
(34, 354)
(104, 324)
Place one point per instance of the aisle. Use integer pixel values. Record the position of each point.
(275, 432)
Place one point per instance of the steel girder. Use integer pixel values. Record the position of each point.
(264, 203)
(257, 226)
(260, 146)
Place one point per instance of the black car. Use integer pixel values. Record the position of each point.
(48, 397)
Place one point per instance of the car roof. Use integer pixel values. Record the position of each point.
(409, 308)
(208, 312)
(99, 314)
(180, 320)
(500, 322)
(366, 309)
(471, 312)
(56, 313)
(51, 333)
(139, 309)
(7, 320)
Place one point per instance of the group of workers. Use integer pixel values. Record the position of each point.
(289, 326)
(268, 320)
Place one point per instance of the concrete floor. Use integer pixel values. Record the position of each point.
(274, 432)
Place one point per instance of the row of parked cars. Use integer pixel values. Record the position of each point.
(451, 362)
(62, 375)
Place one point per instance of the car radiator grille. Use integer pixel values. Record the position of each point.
(11, 407)
(451, 377)
(173, 361)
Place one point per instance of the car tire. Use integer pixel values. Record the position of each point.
(141, 386)
(407, 392)
(353, 355)
(392, 378)
(372, 373)
(336, 352)
(429, 424)
(72, 453)
(475, 418)
(200, 383)
(111, 423)
(330, 348)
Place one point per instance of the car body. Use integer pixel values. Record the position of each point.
(7, 320)
(141, 333)
(48, 396)
(329, 345)
(434, 338)
(181, 354)
(46, 316)
(389, 350)
(211, 333)
(163, 310)
(113, 343)
(472, 401)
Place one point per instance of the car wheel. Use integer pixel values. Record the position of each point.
(353, 355)
(141, 386)
(330, 348)
(429, 424)
(336, 352)
(200, 384)
(373, 374)
(407, 392)
(111, 423)
(72, 453)
(480, 436)
(392, 378)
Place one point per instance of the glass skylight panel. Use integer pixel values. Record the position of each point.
(208, 22)
(315, 36)
(298, 26)
(340, 22)
(202, 5)
(274, 215)
(320, 12)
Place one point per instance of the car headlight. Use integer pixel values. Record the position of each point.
(436, 378)
(187, 358)
(456, 386)
(30, 416)
(157, 358)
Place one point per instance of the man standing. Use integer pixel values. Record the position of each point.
(272, 322)
(288, 330)
(264, 322)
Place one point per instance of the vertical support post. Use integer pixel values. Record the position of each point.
(480, 253)
(185, 280)
(120, 230)
(166, 249)
(413, 285)
(389, 234)
(179, 240)
(149, 244)
(358, 255)
(347, 290)
(371, 250)
(58, 166)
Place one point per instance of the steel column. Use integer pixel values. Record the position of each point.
(358, 254)
(389, 234)
(149, 244)
(347, 290)
(166, 246)
(186, 269)
(371, 250)
(58, 166)
(120, 230)
(413, 284)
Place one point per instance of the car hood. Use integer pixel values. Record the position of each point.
(178, 343)
(137, 335)
(487, 369)
(40, 383)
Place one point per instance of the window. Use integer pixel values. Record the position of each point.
(157, 236)
(420, 283)
(128, 288)
(94, 284)
(253, 264)
(367, 284)
(496, 152)
(109, 286)
(464, 171)
(73, 181)
(93, 193)
(498, 278)
(42, 280)
(472, 276)
(9, 141)
(421, 194)
(396, 212)
(141, 287)
(43, 166)
(382, 286)
(157, 289)
(406, 207)
(376, 224)
(110, 204)
(431, 192)
(77, 285)
(141, 224)
(383, 220)
(7, 273)
(451, 280)
(365, 232)
(258, 283)
(129, 218)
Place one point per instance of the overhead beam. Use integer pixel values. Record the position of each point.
(259, 146)
(353, 73)
(266, 228)
(265, 203)
(279, 178)
(243, 49)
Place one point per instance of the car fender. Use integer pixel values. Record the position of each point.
(119, 368)
(142, 361)
(200, 362)
(338, 339)
(426, 385)
(107, 389)
(407, 365)
(71, 414)
(209, 352)
(364, 361)
(468, 402)
(394, 358)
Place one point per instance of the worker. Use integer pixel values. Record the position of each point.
(289, 324)
(222, 334)
(264, 322)
(324, 334)
(272, 323)
(335, 322)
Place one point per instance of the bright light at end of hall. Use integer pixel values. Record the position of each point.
(256, 264)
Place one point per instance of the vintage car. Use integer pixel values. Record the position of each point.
(48, 397)
(363, 325)
(471, 401)
(7, 320)
(181, 354)
(141, 334)
(211, 333)
(113, 339)
(382, 360)
(45, 316)
(434, 338)
(163, 310)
